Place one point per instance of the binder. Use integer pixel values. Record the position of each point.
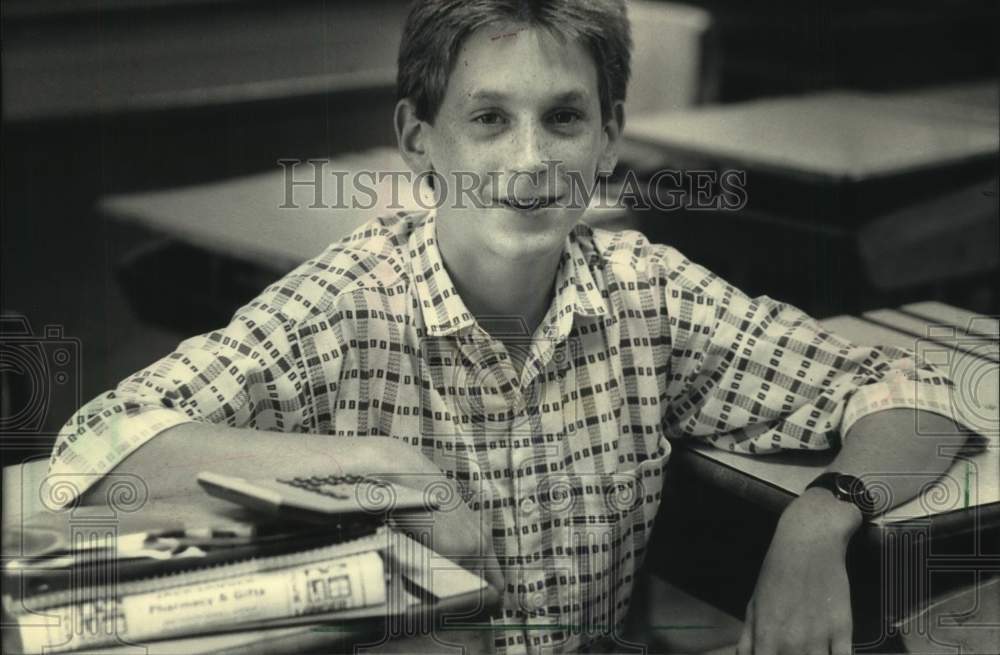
(421, 586)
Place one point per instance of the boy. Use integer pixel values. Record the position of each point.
(552, 427)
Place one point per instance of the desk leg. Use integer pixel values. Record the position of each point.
(893, 580)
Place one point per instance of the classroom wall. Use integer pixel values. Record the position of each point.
(776, 47)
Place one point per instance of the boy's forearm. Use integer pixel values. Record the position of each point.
(803, 586)
(884, 447)
(170, 462)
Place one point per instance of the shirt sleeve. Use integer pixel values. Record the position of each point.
(755, 375)
(249, 374)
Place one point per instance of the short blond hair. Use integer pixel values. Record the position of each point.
(435, 30)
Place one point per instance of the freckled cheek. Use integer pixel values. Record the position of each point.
(479, 159)
(456, 157)
(577, 165)
(470, 169)
(574, 152)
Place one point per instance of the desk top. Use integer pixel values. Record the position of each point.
(838, 135)
(251, 217)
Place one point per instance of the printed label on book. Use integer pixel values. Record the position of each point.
(345, 583)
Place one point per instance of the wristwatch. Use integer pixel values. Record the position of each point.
(848, 489)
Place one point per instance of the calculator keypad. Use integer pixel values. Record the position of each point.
(340, 487)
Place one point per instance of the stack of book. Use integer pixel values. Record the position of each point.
(196, 587)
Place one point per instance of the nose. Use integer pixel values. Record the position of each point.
(529, 149)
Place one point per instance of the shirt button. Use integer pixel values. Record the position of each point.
(528, 506)
(537, 600)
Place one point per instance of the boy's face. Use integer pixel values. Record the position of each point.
(520, 119)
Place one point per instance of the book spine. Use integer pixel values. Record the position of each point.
(343, 583)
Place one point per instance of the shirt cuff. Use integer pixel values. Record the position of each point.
(85, 453)
(901, 392)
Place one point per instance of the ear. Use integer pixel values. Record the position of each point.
(613, 130)
(411, 135)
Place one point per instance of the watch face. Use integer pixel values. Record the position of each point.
(844, 485)
(848, 488)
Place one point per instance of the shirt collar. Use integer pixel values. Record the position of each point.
(576, 291)
(444, 310)
(576, 288)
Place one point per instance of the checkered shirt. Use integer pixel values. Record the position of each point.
(564, 461)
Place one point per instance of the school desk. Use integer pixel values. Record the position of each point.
(835, 137)
(829, 178)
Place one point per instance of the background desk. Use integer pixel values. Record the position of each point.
(822, 172)
(836, 136)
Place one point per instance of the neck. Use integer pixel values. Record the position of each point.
(521, 289)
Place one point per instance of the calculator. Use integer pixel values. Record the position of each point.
(316, 498)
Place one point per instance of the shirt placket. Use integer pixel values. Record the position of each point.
(528, 462)
(487, 372)
(522, 459)
(538, 514)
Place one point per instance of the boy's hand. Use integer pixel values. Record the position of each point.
(802, 602)
(453, 530)
(458, 533)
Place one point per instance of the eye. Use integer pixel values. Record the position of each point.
(489, 118)
(566, 116)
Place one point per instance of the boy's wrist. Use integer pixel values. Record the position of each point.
(819, 513)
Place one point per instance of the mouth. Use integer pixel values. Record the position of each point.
(529, 204)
